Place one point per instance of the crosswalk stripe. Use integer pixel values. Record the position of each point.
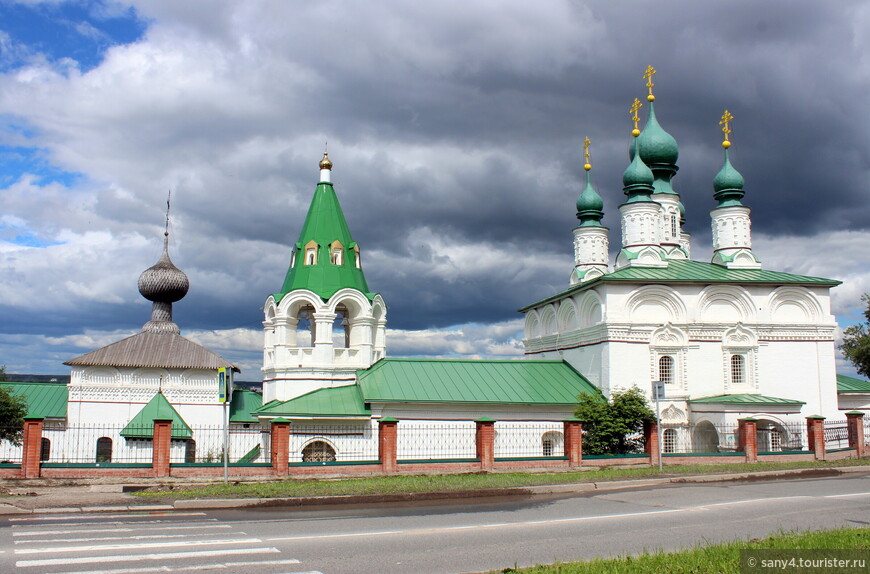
(97, 530)
(130, 515)
(102, 547)
(219, 566)
(135, 557)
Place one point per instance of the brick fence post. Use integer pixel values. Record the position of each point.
(855, 422)
(573, 432)
(388, 437)
(161, 445)
(485, 442)
(747, 438)
(31, 446)
(279, 452)
(651, 442)
(816, 436)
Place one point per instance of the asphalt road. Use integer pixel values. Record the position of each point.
(470, 536)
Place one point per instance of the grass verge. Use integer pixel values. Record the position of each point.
(712, 558)
(458, 482)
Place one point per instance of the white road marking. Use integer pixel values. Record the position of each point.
(96, 530)
(100, 547)
(135, 557)
(845, 495)
(104, 538)
(218, 566)
(95, 516)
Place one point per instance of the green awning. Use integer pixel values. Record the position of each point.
(852, 385)
(333, 402)
(747, 400)
(243, 404)
(142, 425)
(47, 400)
(517, 382)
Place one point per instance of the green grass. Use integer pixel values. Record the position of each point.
(400, 484)
(712, 558)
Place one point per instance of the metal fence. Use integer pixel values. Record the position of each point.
(836, 434)
(9, 452)
(529, 440)
(357, 442)
(707, 438)
(867, 430)
(422, 440)
(206, 445)
(97, 444)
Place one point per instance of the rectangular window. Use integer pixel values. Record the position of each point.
(737, 375)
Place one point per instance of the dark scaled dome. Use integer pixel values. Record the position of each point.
(163, 282)
(655, 145)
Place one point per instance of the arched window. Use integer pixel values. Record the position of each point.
(45, 450)
(737, 371)
(666, 369)
(293, 259)
(669, 440)
(190, 450)
(356, 257)
(673, 225)
(104, 449)
(341, 328)
(336, 255)
(306, 328)
(318, 451)
(551, 443)
(310, 256)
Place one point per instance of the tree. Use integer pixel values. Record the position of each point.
(3, 377)
(13, 409)
(856, 342)
(614, 427)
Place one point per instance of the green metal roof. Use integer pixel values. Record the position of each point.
(323, 225)
(686, 271)
(852, 385)
(330, 402)
(142, 425)
(522, 382)
(243, 404)
(46, 400)
(747, 399)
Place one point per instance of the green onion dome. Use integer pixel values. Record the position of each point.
(728, 184)
(656, 146)
(637, 180)
(590, 207)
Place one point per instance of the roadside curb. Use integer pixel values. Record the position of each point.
(542, 490)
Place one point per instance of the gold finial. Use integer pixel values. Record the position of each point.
(634, 117)
(325, 163)
(725, 122)
(650, 71)
(587, 166)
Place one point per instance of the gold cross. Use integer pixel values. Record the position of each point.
(587, 166)
(725, 123)
(634, 117)
(648, 75)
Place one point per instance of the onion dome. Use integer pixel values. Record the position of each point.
(590, 207)
(656, 146)
(637, 180)
(682, 209)
(164, 282)
(728, 184)
(325, 163)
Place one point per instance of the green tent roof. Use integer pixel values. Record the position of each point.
(244, 403)
(46, 400)
(331, 402)
(746, 399)
(686, 271)
(523, 382)
(142, 425)
(324, 225)
(852, 385)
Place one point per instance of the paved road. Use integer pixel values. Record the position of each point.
(467, 537)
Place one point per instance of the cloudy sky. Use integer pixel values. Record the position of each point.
(455, 129)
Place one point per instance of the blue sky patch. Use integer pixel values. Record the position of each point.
(16, 161)
(82, 31)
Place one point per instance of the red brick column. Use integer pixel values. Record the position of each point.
(816, 436)
(279, 453)
(31, 447)
(573, 432)
(651, 442)
(388, 436)
(855, 421)
(162, 443)
(747, 438)
(485, 441)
